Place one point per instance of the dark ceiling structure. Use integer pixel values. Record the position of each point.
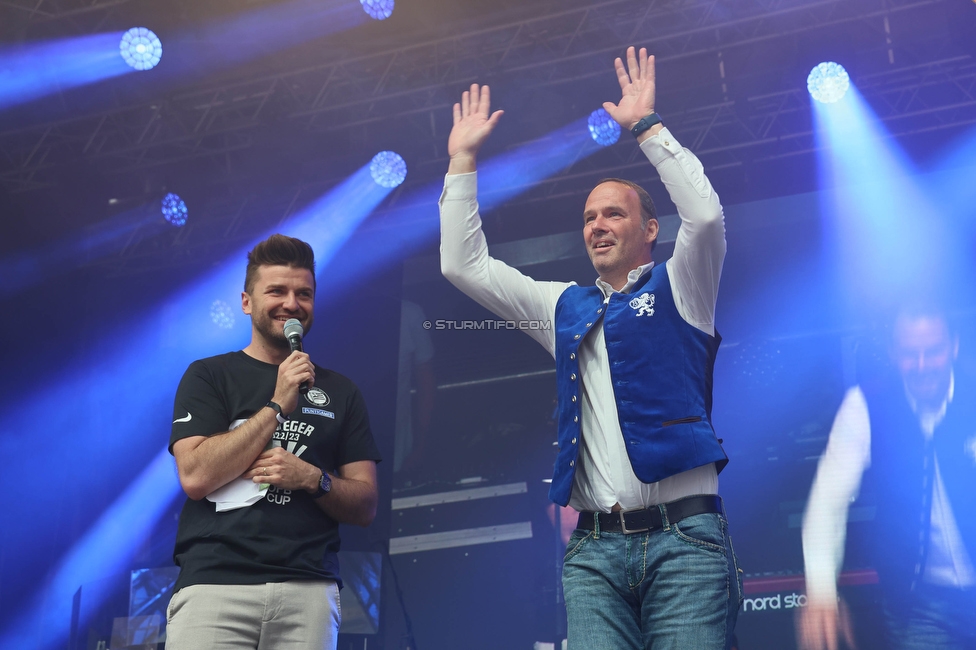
(252, 143)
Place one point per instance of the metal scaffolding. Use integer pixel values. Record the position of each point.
(415, 85)
(77, 16)
(732, 103)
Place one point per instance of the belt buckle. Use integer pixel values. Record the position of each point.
(630, 531)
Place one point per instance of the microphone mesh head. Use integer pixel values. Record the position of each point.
(293, 327)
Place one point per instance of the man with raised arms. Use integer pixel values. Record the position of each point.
(650, 564)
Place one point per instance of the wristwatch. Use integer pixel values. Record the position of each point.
(645, 123)
(281, 417)
(325, 485)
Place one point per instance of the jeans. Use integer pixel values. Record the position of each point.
(675, 588)
(296, 615)
(935, 618)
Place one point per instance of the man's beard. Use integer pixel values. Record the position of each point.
(273, 334)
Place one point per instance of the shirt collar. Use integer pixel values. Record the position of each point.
(931, 419)
(632, 279)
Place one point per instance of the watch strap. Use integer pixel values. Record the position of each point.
(281, 417)
(645, 123)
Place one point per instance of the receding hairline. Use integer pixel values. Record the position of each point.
(623, 186)
(612, 206)
(619, 181)
(648, 211)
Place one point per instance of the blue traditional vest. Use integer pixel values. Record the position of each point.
(661, 373)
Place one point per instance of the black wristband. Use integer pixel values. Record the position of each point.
(645, 124)
(281, 417)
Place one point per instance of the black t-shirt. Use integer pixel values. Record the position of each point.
(285, 536)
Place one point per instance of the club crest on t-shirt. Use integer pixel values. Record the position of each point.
(317, 396)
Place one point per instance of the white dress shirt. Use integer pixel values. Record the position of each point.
(604, 476)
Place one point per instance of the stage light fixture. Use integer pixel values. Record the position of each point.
(174, 209)
(603, 129)
(222, 315)
(141, 48)
(828, 82)
(388, 169)
(377, 9)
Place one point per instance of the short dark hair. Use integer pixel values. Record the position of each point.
(648, 211)
(278, 250)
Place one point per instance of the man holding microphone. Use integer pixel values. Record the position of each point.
(270, 471)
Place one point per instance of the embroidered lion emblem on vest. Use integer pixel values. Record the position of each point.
(643, 304)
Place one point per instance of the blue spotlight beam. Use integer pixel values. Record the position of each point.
(328, 223)
(36, 70)
(33, 70)
(106, 548)
(513, 173)
(415, 225)
(114, 406)
(31, 268)
(953, 183)
(888, 235)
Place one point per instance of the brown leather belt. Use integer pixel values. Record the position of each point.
(641, 521)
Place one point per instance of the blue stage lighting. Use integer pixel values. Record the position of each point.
(388, 169)
(222, 315)
(603, 129)
(828, 82)
(35, 69)
(377, 9)
(174, 209)
(499, 179)
(141, 48)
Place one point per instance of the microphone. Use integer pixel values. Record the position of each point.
(293, 332)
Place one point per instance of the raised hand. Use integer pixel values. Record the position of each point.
(472, 126)
(636, 87)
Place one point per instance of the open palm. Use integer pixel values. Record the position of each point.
(637, 87)
(473, 122)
